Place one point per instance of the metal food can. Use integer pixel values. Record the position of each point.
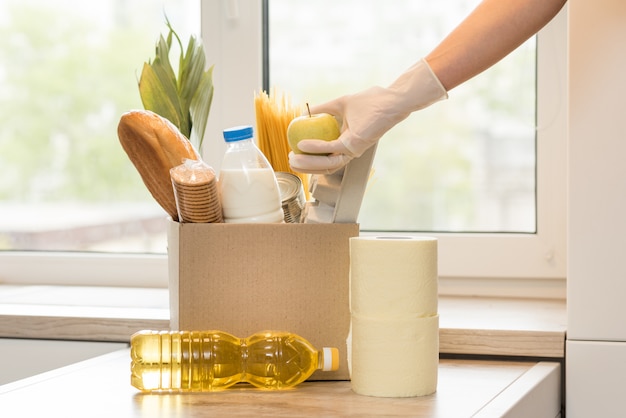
(292, 195)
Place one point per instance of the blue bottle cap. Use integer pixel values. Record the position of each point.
(238, 133)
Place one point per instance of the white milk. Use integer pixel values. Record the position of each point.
(250, 195)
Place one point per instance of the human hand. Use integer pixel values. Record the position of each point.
(365, 117)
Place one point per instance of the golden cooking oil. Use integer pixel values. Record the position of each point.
(216, 360)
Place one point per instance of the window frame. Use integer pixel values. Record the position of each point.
(531, 265)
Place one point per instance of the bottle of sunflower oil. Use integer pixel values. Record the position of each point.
(215, 360)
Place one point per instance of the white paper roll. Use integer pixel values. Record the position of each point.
(393, 277)
(395, 357)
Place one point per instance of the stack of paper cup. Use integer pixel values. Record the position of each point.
(394, 320)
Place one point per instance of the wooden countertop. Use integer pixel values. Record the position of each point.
(100, 387)
(468, 325)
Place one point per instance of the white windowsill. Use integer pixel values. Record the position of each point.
(468, 325)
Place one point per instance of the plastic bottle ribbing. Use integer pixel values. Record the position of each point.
(216, 360)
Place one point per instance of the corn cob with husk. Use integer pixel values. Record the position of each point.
(185, 100)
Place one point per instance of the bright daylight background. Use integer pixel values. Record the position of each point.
(467, 164)
(69, 69)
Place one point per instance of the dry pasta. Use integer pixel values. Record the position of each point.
(273, 114)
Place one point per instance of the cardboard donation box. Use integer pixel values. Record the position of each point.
(245, 278)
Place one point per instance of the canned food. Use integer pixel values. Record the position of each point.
(292, 195)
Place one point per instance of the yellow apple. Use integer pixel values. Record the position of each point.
(308, 126)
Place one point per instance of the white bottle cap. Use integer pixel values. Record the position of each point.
(331, 359)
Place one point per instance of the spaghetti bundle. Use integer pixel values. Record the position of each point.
(273, 114)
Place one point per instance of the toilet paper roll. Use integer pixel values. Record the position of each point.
(393, 277)
(394, 357)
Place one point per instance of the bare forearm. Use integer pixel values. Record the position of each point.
(488, 34)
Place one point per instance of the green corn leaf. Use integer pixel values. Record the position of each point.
(201, 106)
(162, 59)
(157, 85)
(191, 71)
(184, 100)
(169, 86)
(157, 97)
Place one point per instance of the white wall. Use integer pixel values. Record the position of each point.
(596, 289)
(597, 170)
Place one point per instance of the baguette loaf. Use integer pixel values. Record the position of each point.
(154, 146)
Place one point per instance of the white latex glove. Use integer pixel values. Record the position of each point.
(367, 116)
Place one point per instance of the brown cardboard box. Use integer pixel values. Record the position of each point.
(245, 278)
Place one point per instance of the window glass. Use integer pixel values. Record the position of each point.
(68, 70)
(464, 165)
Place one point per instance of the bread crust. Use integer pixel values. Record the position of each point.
(154, 146)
